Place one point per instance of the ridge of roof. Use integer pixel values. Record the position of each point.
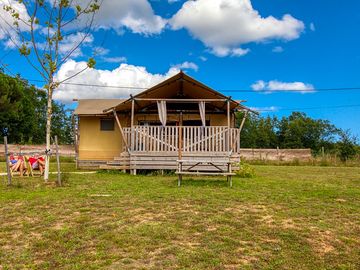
(176, 77)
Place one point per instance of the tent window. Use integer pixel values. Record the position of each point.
(107, 124)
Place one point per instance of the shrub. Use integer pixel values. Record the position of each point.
(246, 171)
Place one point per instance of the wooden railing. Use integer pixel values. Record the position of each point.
(193, 139)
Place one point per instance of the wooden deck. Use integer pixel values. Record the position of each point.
(192, 139)
(159, 148)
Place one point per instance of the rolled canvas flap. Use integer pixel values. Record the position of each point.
(202, 112)
(162, 112)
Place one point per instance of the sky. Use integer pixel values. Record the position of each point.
(286, 55)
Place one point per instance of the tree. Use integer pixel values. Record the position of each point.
(39, 35)
(258, 132)
(23, 113)
(300, 131)
(346, 146)
(11, 93)
(295, 131)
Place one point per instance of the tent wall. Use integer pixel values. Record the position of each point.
(95, 144)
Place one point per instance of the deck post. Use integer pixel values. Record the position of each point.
(132, 131)
(180, 148)
(228, 124)
(7, 161)
(132, 123)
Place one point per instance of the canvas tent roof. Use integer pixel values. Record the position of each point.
(95, 106)
(179, 86)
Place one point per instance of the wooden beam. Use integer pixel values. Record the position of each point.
(121, 129)
(228, 124)
(132, 112)
(180, 135)
(132, 123)
(243, 120)
(182, 100)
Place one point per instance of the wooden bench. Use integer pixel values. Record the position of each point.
(205, 167)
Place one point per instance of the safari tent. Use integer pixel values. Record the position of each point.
(178, 118)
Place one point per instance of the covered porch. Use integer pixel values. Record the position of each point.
(179, 118)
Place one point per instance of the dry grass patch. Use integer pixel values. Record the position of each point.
(285, 218)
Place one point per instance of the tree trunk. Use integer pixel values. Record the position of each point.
(48, 131)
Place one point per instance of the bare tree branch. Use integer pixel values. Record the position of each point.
(72, 76)
(33, 41)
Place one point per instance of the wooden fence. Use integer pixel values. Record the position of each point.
(64, 150)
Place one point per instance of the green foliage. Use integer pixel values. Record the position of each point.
(91, 63)
(23, 114)
(347, 147)
(295, 131)
(246, 171)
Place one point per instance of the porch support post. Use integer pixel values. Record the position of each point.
(121, 130)
(228, 124)
(180, 148)
(132, 123)
(180, 135)
(132, 131)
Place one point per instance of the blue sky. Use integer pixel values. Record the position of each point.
(317, 48)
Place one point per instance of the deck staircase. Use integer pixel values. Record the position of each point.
(121, 162)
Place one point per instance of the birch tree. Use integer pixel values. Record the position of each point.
(38, 29)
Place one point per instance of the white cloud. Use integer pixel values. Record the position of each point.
(278, 49)
(265, 109)
(124, 75)
(225, 25)
(7, 32)
(312, 27)
(273, 86)
(135, 15)
(203, 58)
(225, 51)
(187, 65)
(69, 43)
(101, 51)
(116, 59)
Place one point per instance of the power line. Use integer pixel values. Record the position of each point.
(310, 108)
(292, 90)
(224, 91)
(268, 110)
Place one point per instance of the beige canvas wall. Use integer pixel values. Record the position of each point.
(95, 144)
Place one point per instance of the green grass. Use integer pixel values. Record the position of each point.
(284, 218)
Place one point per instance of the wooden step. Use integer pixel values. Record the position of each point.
(117, 162)
(113, 167)
(121, 158)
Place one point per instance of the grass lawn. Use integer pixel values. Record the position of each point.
(285, 218)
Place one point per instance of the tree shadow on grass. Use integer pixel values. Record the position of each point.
(204, 182)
